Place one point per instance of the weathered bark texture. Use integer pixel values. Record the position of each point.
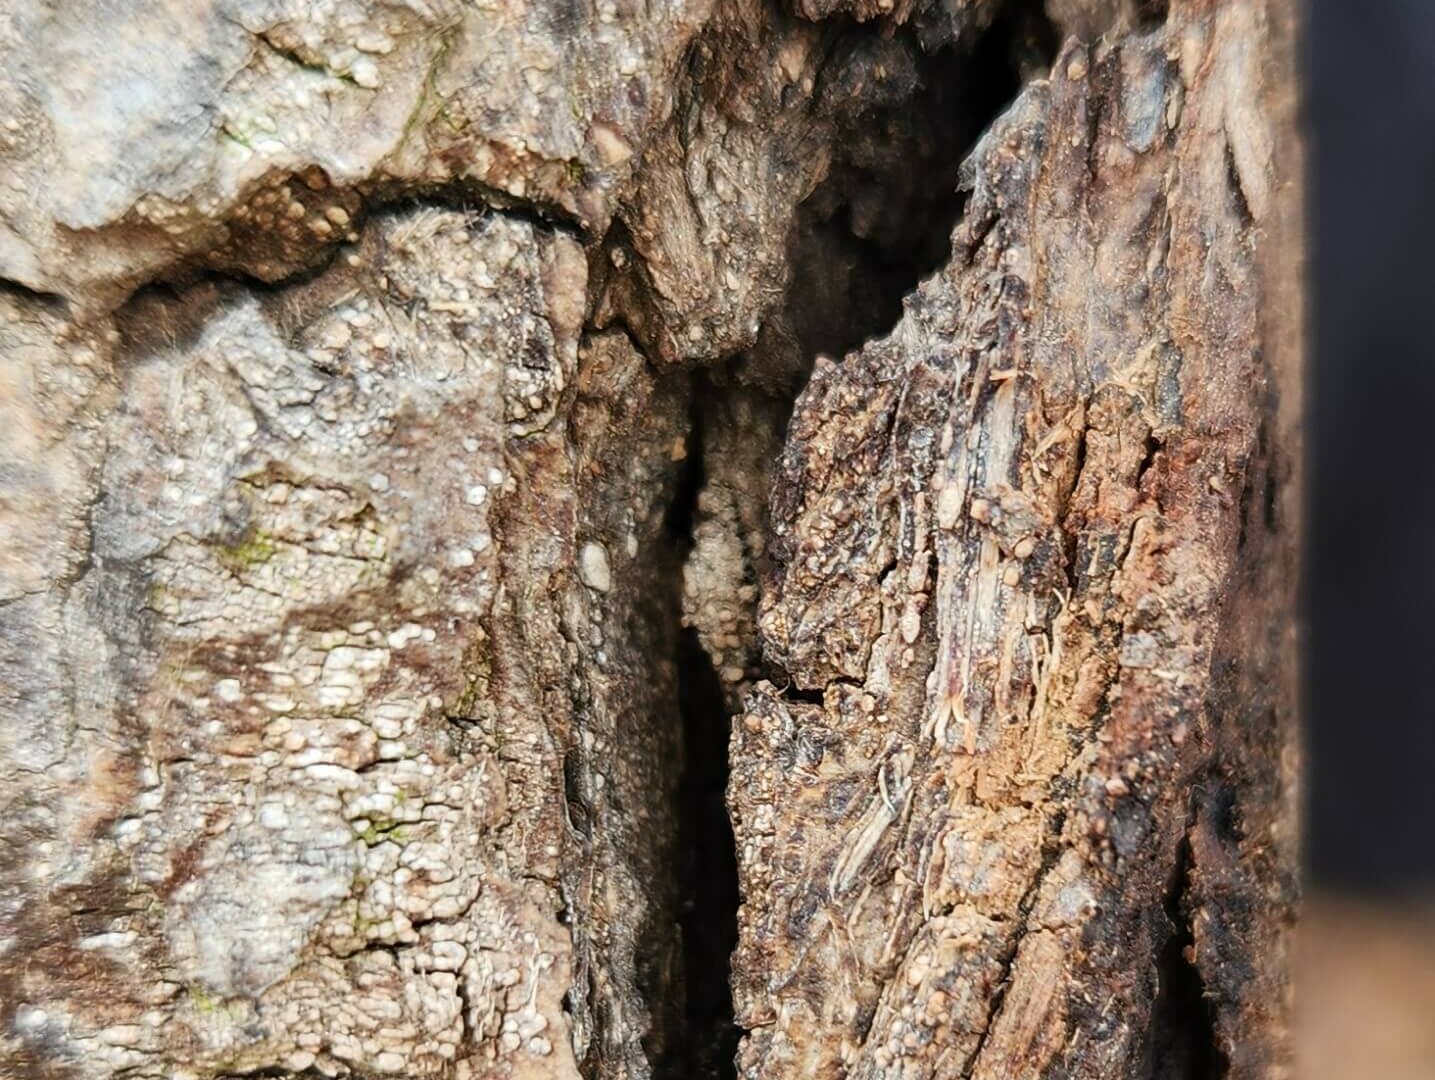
(409, 465)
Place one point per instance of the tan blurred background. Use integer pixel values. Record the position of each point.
(1366, 991)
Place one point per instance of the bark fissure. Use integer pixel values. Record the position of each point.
(710, 897)
(875, 264)
(1181, 1041)
(702, 864)
(49, 301)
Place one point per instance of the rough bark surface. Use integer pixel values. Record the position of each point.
(425, 425)
(1022, 549)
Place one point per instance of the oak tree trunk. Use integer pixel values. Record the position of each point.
(609, 539)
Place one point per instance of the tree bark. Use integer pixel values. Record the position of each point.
(457, 457)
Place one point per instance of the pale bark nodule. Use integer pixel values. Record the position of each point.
(695, 538)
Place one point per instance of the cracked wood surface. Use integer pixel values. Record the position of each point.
(352, 353)
(1033, 578)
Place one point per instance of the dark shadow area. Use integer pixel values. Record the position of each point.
(709, 894)
(705, 857)
(1369, 576)
(882, 219)
(1181, 1042)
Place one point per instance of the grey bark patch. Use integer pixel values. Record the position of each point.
(242, 921)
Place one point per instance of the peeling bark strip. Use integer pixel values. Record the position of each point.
(409, 462)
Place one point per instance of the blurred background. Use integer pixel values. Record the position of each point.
(1367, 975)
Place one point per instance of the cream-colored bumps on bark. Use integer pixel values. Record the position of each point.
(715, 599)
(50, 371)
(594, 566)
(125, 158)
(294, 634)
